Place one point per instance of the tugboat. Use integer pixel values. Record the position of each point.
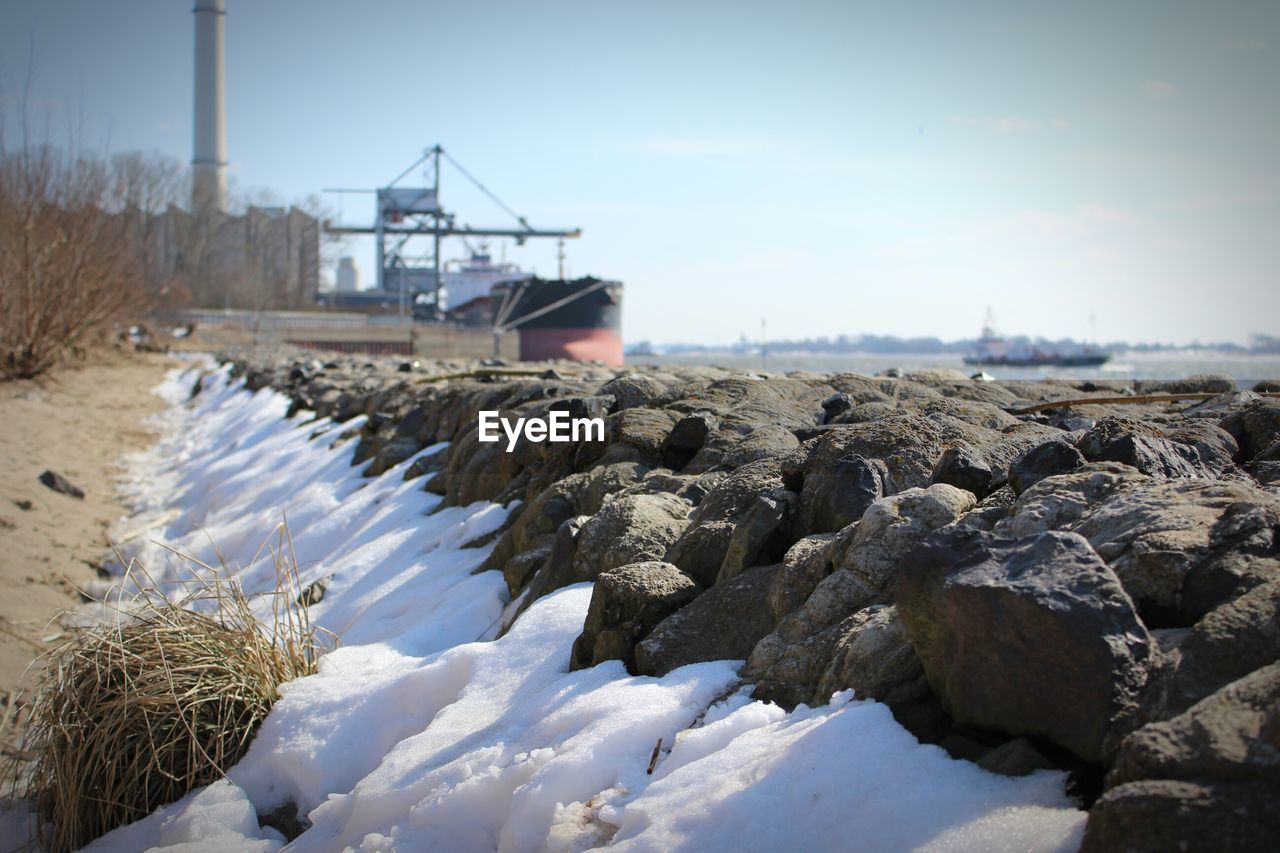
(994, 351)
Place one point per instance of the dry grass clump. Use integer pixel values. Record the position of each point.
(134, 713)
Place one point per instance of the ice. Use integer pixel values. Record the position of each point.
(422, 732)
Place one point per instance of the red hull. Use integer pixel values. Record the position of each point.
(603, 345)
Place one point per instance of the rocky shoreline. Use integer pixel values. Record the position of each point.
(1093, 587)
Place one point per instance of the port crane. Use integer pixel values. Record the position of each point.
(404, 213)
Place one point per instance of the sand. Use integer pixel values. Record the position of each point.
(78, 421)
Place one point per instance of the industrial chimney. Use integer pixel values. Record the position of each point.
(209, 152)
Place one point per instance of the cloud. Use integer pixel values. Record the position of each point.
(1159, 90)
(717, 147)
(1244, 44)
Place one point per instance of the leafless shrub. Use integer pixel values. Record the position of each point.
(67, 267)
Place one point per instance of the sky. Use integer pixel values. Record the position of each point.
(826, 167)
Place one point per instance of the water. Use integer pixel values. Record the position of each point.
(1245, 369)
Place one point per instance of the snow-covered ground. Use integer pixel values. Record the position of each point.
(422, 732)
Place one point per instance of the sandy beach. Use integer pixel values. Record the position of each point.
(76, 422)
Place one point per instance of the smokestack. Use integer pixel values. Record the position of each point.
(209, 152)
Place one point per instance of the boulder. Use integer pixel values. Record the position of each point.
(1058, 502)
(700, 549)
(1026, 637)
(1182, 547)
(789, 663)
(1208, 779)
(760, 537)
(1158, 815)
(1233, 735)
(637, 435)
(1142, 446)
(626, 604)
(629, 529)
(686, 439)
(1235, 639)
(873, 656)
(724, 623)
(964, 469)
(1216, 447)
(836, 495)
(1255, 426)
(1045, 460)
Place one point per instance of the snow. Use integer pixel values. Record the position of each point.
(423, 732)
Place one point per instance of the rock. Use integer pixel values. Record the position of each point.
(1018, 757)
(521, 568)
(1216, 447)
(1155, 816)
(907, 443)
(789, 663)
(626, 604)
(965, 470)
(836, 405)
(805, 564)
(634, 391)
(1028, 637)
(637, 435)
(1203, 383)
(892, 526)
(760, 536)
(61, 484)
(1058, 502)
(1182, 547)
(560, 568)
(390, 454)
(1094, 443)
(629, 529)
(1234, 640)
(1233, 735)
(836, 495)
(700, 550)
(1255, 426)
(686, 439)
(724, 623)
(1045, 460)
(873, 656)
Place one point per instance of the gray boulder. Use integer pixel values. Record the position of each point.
(1234, 640)
(1029, 637)
(686, 439)
(724, 623)
(629, 529)
(789, 662)
(761, 535)
(1045, 460)
(700, 549)
(1182, 547)
(1208, 779)
(836, 495)
(626, 604)
(1255, 426)
(964, 469)
(1057, 503)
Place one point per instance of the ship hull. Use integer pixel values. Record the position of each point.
(1044, 361)
(579, 320)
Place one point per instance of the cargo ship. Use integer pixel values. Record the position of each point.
(578, 319)
(561, 318)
